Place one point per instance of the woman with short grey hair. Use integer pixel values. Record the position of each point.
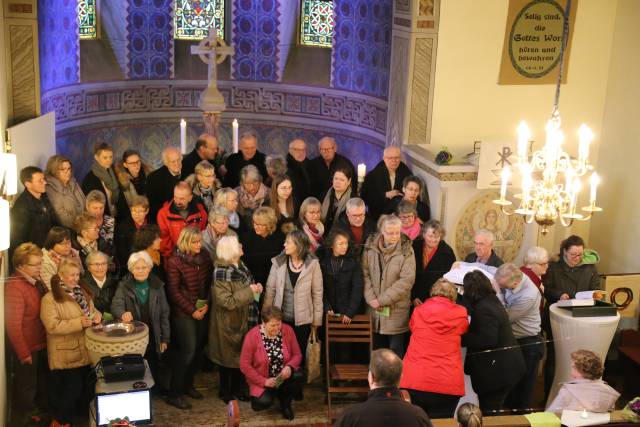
(100, 281)
(218, 227)
(252, 193)
(140, 296)
(536, 262)
(234, 296)
(95, 205)
(204, 183)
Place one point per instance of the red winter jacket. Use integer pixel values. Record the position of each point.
(433, 361)
(254, 362)
(22, 316)
(171, 224)
(188, 280)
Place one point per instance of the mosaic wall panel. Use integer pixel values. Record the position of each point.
(362, 46)
(97, 100)
(150, 137)
(193, 18)
(256, 37)
(150, 41)
(59, 43)
(87, 19)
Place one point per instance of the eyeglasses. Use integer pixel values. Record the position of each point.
(355, 215)
(99, 264)
(64, 169)
(575, 254)
(543, 263)
(137, 162)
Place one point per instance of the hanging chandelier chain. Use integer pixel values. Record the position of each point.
(565, 36)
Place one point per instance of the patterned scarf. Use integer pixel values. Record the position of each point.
(78, 296)
(239, 273)
(109, 180)
(247, 201)
(315, 235)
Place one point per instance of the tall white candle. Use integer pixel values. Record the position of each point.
(183, 136)
(523, 140)
(527, 184)
(585, 136)
(362, 171)
(506, 174)
(235, 135)
(9, 173)
(594, 181)
(577, 186)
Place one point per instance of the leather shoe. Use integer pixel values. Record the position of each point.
(243, 398)
(194, 394)
(178, 402)
(287, 412)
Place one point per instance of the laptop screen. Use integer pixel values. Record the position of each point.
(136, 405)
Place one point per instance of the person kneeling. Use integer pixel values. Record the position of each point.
(270, 361)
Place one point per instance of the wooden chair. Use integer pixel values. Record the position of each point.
(358, 331)
(233, 414)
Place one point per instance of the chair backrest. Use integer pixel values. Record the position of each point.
(359, 330)
(233, 414)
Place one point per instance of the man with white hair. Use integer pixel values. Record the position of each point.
(522, 303)
(384, 182)
(161, 181)
(248, 155)
(536, 263)
(299, 170)
(324, 166)
(356, 223)
(484, 253)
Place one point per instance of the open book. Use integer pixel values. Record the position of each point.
(583, 299)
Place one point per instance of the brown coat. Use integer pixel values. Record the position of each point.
(307, 293)
(229, 319)
(391, 286)
(65, 334)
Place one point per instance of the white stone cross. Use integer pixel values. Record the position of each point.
(212, 51)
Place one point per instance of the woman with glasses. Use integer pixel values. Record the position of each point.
(87, 238)
(63, 190)
(262, 243)
(217, 228)
(56, 248)
(127, 227)
(281, 200)
(132, 174)
(99, 281)
(204, 183)
(27, 359)
(252, 193)
(536, 263)
(572, 272)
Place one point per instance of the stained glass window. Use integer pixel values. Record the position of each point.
(316, 23)
(193, 18)
(87, 19)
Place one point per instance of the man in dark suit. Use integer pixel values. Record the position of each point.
(484, 253)
(384, 182)
(32, 215)
(299, 170)
(161, 181)
(248, 155)
(326, 164)
(385, 405)
(206, 149)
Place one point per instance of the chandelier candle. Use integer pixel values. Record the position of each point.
(506, 174)
(594, 181)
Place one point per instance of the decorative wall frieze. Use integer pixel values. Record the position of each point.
(281, 102)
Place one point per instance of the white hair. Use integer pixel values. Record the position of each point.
(508, 271)
(387, 220)
(96, 254)
(228, 249)
(139, 256)
(486, 233)
(355, 203)
(536, 255)
(166, 152)
(328, 138)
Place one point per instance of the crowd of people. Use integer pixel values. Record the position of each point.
(238, 259)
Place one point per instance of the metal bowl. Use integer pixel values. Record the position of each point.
(119, 328)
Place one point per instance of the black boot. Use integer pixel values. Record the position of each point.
(285, 408)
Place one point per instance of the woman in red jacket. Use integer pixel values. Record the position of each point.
(188, 278)
(28, 360)
(432, 368)
(270, 361)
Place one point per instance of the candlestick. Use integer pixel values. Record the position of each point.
(183, 136)
(523, 140)
(594, 180)
(362, 171)
(506, 174)
(235, 135)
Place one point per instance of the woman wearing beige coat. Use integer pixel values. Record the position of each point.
(389, 270)
(295, 286)
(66, 312)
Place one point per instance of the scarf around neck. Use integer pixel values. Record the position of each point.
(247, 201)
(108, 178)
(78, 296)
(315, 235)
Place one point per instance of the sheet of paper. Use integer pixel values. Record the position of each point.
(576, 419)
(456, 275)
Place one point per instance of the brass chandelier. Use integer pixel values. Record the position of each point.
(551, 179)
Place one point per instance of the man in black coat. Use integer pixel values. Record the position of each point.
(161, 181)
(384, 406)
(484, 253)
(384, 182)
(355, 221)
(326, 164)
(299, 170)
(32, 215)
(206, 149)
(248, 155)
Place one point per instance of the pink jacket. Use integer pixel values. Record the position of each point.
(254, 362)
(579, 393)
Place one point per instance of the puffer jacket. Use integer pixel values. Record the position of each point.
(389, 277)
(171, 224)
(188, 279)
(307, 293)
(66, 347)
(67, 200)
